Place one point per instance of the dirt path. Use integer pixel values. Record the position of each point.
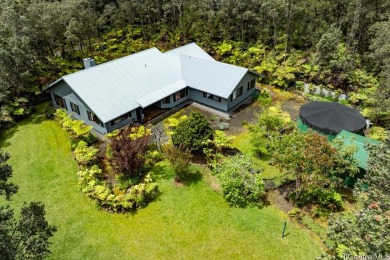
(276, 198)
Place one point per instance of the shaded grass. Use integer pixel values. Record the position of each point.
(186, 222)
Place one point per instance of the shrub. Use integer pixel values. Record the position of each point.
(128, 154)
(366, 231)
(379, 133)
(76, 128)
(193, 132)
(85, 155)
(179, 159)
(264, 98)
(88, 178)
(272, 121)
(214, 148)
(240, 187)
(137, 196)
(49, 111)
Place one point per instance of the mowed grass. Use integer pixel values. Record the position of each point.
(185, 222)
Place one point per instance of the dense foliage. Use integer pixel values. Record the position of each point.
(85, 155)
(241, 185)
(77, 130)
(6, 188)
(179, 160)
(26, 237)
(214, 149)
(271, 123)
(366, 232)
(341, 45)
(318, 166)
(129, 153)
(119, 182)
(193, 132)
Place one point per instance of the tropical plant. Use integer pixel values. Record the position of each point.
(85, 155)
(25, 237)
(128, 154)
(271, 122)
(365, 232)
(179, 159)
(6, 188)
(318, 166)
(241, 186)
(193, 132)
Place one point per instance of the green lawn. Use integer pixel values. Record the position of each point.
(186, 222)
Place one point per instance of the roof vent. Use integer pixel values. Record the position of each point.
(89, 62)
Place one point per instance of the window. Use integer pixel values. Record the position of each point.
(120, 119)
(75, 108)
(60, 101)
(93, 117)
(210, 96)
(166, 100)
(180, 94)
(236, 93)
(251, 84)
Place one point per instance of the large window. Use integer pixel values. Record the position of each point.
(75, 108)
(93, 117)
(166, 100)
(180, 94)
(236, 93)
(60, 101)
(120, 119)
(212, 97)
(251, 84)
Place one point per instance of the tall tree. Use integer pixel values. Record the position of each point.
(6, 188)
(28, 237)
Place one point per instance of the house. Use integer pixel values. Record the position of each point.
(116, 93)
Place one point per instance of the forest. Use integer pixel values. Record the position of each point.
(342, 45)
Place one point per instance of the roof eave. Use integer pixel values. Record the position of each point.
(256, 73)
(53, 83)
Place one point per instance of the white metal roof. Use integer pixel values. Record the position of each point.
(141, 79)
(191, 49)
(161, 93)
(111, 89)
(211, 76)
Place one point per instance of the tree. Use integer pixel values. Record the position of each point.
(380, 46)
(241, 186)
(128, 153)
(271, 123)
(335, 59)
(366, 232)
(179, 159)
(28, 237)
(193, 132)
(5, 173)
(317, 165)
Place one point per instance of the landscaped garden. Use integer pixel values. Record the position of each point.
(186, 221)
